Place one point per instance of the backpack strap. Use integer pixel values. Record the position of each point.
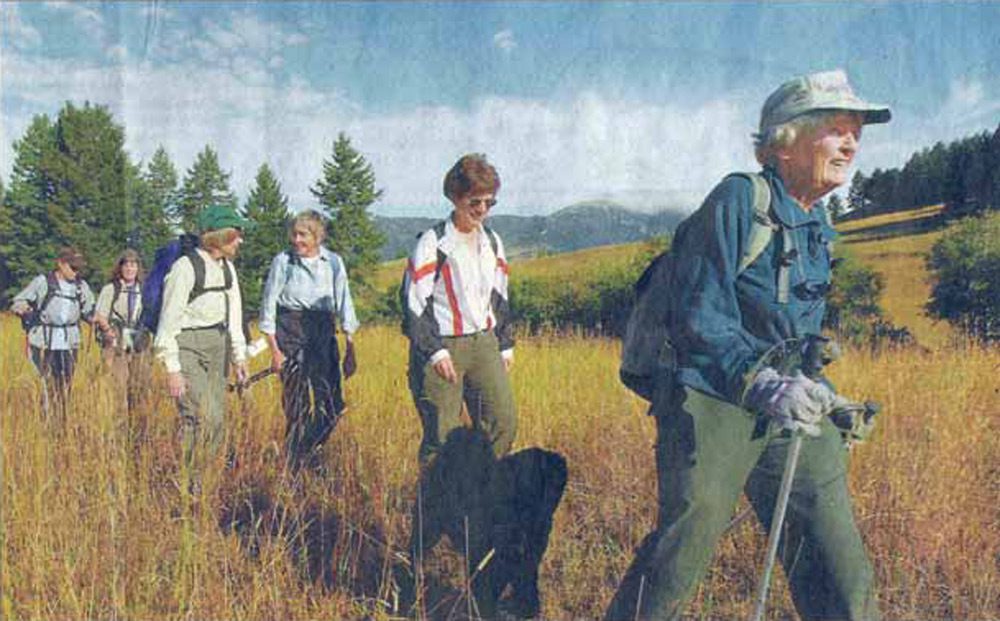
(763, 226)
(762, 229)
(51, 288)
(117, 284)
(788, 256)
(439, 229)
(494, 244)
(198, 265)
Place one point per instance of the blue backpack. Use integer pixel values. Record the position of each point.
(152, 288)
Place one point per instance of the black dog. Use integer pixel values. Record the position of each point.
(503, 505)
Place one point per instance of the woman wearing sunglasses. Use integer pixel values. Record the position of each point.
(457, 316)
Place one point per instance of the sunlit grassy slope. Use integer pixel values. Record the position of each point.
(389, 273)
(896, 245)
(94, 525)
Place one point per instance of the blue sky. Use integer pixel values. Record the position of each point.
(647, 104)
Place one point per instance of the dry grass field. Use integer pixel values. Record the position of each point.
(93, 524)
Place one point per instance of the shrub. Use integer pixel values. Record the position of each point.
(592, 300)
(965, 264)
(852, 305)
(596, 299)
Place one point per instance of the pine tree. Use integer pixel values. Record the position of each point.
(6, 228)
(161, 177)
(149, 227)
(205, 184)
(89, 206)
(994, 165)
(347, 190)
(268, 208)
(857, 194)
(836, 207)
(28, 240)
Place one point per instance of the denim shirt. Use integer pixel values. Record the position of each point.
(290, 284)
(722, 323)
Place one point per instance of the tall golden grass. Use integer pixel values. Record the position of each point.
(94, 524)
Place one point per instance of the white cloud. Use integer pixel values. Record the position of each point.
(84, 17)
(967, 103)
(505, 41)
(117, 53)
(553, 154)
(156, 10)
(549, 154)
(15, 31)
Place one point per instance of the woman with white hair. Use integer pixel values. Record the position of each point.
(726, 417)
(305, 292)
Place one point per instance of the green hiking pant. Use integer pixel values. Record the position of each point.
(204, 356)
(707, 453)
(482, 382)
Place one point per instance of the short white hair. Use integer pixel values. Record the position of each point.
(768, 142)
(313, 221)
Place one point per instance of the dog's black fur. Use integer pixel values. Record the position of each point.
(503, 505)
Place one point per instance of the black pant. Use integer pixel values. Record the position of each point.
(56, 366)
(312, 396)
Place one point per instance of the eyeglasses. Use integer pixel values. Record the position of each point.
(485, 202)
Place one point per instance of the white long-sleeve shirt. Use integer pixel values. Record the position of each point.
(206, 310)
(466, 294)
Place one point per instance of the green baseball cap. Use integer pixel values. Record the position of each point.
(216, 217)
(827, 90)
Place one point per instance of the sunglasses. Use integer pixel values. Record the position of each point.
(485, 202)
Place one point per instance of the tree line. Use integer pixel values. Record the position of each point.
(72, 183)
(963, 174)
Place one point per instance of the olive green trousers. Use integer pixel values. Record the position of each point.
(204, 357)
(482, 383)
(708, 452)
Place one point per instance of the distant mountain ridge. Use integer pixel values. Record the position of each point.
(582, 225)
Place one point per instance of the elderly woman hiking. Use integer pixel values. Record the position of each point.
(51, 307)
(116, 315)
(725, 419)
(200, 331)
(306, 290)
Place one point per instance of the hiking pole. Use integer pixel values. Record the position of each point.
(239, 387)
(46, 406)
(777, 521)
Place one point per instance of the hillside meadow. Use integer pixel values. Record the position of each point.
(94, 525)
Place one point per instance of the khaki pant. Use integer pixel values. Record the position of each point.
(204, 356)
(131, 374)
(708, 452)
(484, 385)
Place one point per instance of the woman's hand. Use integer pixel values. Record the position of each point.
(176, 385)
(446, 370)
(350, 360)
(241, 373)
(277, 359)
